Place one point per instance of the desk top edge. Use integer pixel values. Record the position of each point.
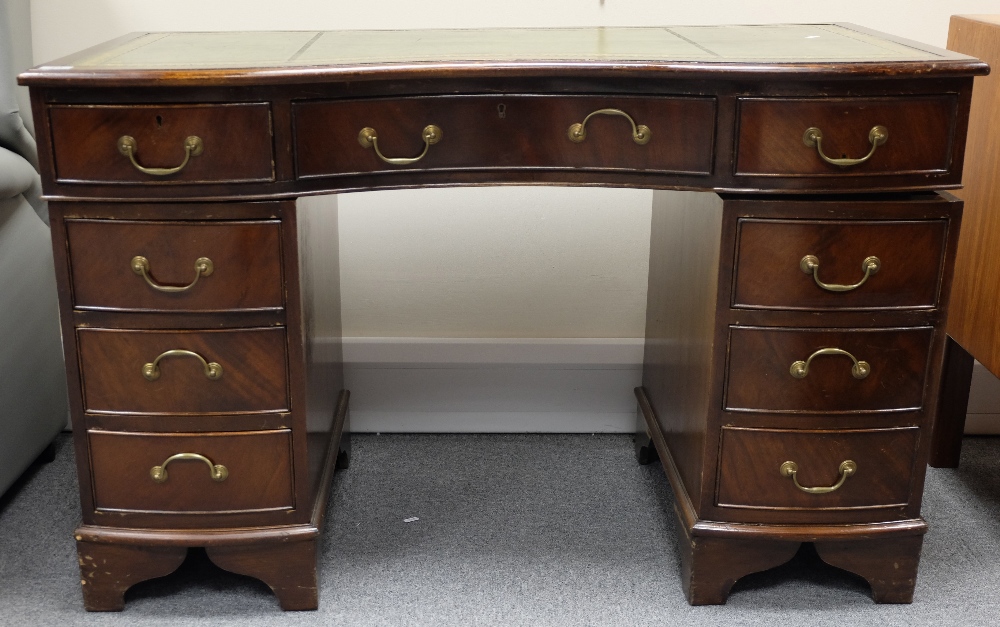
(280, 57)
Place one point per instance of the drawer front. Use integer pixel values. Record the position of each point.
(851, 265)
(257, 471)
(478, 132)
(761, 361)
(114, 370)
(244, 271)
(920, 132)
(751, 474)
(236, 143)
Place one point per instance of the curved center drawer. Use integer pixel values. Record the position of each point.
(827, 378)
(171, 372)
(771, 272)
(521, 131)
(244, 271)
(257, 469)
(751, 460)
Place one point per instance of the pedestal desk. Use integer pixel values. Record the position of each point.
(800, 265)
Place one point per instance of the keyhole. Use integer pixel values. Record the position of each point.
(502, 111)
(159, 122)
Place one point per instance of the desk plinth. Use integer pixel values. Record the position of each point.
(800, 266)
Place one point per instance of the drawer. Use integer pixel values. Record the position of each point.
(251, 374)
(751, 468)
(920, 134)
(761, 360)
(482, 132)
(235, 143)
(244, 258)
(257, 471)
(905, 271)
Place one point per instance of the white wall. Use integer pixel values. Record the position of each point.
(486, 262)
(18, 12)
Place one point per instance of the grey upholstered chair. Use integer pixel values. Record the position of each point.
(32, 383)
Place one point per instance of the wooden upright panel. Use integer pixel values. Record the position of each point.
(680, 323)
(975, 307)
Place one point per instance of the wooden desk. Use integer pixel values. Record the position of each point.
(800, 268)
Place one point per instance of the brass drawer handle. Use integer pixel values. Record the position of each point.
(203, 266)
(847, 468)
(193, 146)
(860, 369)
(152, 370)
(814, 137)
(218, 472)
(810, 265)
(640, 133)
(431, 134)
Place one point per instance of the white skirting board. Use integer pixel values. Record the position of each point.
(491, 385)
(983, 416)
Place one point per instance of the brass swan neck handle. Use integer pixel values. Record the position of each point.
(810, 265)
(813, 138)
(640, 132)
(193, 146)
(800, 369)
(791, 469)
(368, 138)
(217, 472)
(151, 371)
(203, 266)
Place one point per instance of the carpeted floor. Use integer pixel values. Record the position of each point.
(536, 530)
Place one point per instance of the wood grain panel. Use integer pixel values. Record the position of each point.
(768, 273)
(974, 321)
(750, 460)
(253, 371)
(236, 137)
(505, 132)
(760, 358)
(246, 258)
(259, 465)
(679, 369)
(921, 132)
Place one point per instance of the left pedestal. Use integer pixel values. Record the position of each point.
(201, 416)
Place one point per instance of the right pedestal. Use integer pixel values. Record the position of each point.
(792, 365)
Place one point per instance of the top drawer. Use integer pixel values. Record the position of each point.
(674, 135)
(790, 137)
(839, 264)
(90, 143)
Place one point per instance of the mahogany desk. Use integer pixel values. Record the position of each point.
(801, 260)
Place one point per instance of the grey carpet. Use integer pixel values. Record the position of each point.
(536, 530)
